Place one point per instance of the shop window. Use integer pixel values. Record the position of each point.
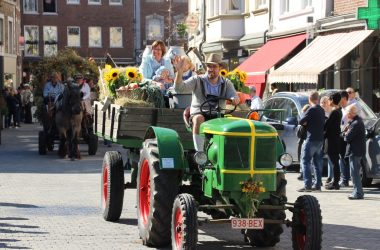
(30, 6)
(73, 36)
(50, 6)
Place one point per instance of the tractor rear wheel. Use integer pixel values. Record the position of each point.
(156, 191)
(270, 234)
(42, 143)
(307, 223)
(112, 186)
(184, 223)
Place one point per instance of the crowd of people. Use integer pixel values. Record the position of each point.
(19, 105)
(332, 125)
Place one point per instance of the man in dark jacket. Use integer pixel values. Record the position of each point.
(354, 135)
(314, 121)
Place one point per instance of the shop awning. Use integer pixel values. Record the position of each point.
(323, 52)
(266, 57)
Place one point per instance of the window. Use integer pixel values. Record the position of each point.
(30, 6)
(50, 6)
(214, 8)
(180, 1)
(31, 40)
(73, 2)
(235, 4)
(284, 6)
(94, 2)
(10, 36)
(95, 37)
(116, 2)
(260, 4)
(116, 37)
(153, 1)
(73, 36)
(50, 40)
(306, 3)
(154, 27)
(238, 149)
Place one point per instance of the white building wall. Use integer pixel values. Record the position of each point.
(255, 23)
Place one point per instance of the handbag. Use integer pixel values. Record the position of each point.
(301, 132)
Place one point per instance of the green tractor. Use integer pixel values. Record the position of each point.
(238, 179)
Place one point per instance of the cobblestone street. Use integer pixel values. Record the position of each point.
(52, 203)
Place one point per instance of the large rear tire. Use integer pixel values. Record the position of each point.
(184, 230)
(42, 143)
(112, 186)
(92, 144)
(307, 224)
(269, 236)
(156, 191)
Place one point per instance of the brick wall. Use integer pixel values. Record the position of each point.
(342, 7)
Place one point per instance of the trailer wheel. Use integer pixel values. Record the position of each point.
(112, 187)
(184, 223)
(270, 235)
(156, 191)
(92, 144)
(307, 223)
(42, 143)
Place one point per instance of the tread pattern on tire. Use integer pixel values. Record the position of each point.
(313, 217)
(114, 204)
(164, 188)
(187, 204)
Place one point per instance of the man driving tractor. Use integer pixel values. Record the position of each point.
(204, 89)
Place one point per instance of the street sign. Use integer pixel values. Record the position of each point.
(371, 14)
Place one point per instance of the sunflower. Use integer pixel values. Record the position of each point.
(114, 73)
(139, 77)
(107, 66)
(131, 73)
(223, 72)
(107, 77)
(243, 76)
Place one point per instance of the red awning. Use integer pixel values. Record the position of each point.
(266, 57)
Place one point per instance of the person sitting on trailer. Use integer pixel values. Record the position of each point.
(203, 87)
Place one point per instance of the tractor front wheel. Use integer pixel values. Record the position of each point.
(156, 191)
(184, 223)
(307, 223)
(112, 186)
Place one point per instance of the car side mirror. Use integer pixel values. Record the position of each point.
(291, 120)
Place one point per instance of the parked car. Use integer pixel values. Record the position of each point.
(292, 103)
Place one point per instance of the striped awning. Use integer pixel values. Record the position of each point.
(320, 54)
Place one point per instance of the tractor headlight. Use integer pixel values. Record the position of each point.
(200, 158)
(286, 160)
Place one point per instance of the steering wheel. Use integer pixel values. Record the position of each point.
(211, 106)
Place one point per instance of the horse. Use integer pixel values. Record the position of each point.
(68, 119)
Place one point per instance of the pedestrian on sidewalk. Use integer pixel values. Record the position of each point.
(332, 134)
(343, 161)
(354, 135)
(314, 120)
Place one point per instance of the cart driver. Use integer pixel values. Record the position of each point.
(211, 84)
(53, 89)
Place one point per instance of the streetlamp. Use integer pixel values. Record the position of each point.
(170, 21)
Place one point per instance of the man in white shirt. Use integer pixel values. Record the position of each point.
(85, 89)
(256, 102)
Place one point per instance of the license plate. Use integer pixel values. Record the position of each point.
(252, 223)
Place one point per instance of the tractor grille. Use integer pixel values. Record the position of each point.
(265, 152)
(236, 152)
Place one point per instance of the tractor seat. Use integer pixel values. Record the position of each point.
(186, 117)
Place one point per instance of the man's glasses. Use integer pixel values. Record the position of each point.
(350, 92)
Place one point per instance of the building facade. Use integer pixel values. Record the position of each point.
(10, 56)
(94, 28)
